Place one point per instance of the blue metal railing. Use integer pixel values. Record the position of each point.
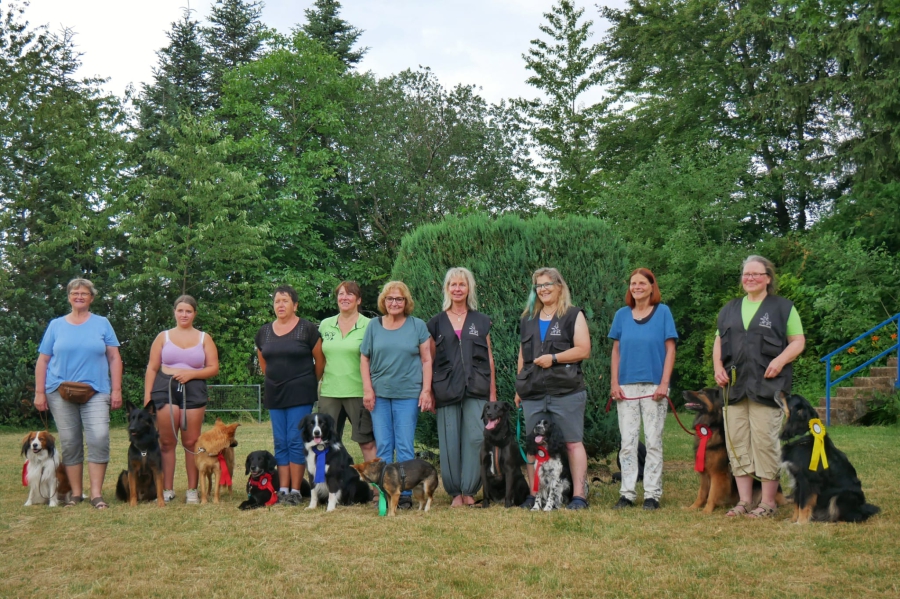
(827, 359)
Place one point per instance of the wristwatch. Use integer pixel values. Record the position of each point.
(554, 359)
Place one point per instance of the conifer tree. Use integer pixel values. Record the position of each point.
(337, 35)
(234, 37)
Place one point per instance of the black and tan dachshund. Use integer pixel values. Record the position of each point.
(143, 481)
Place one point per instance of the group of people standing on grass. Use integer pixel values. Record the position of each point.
(379, 374)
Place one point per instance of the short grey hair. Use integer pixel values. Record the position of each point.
(78, 283)
(459, 272)
(772, 285)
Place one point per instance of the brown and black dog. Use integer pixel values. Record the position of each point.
(219, 440)
(143, 481)
(417, 475)
(717, 485)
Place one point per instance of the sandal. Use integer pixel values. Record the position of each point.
(73, 501)
(763, 510)
(739, 510)
(98, 503)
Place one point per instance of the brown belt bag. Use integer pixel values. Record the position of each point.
(75, 392)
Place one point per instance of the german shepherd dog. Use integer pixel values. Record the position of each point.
(717, 485)
(825, 494)
(501, 461)
(143, 481)
(416, 475)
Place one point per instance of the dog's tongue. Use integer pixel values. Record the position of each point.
(492, 424)
(317, 439)
(539, 438)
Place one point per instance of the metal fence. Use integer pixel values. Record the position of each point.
(235, 398)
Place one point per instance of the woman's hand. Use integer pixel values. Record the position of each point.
(369, 399)
(721, 376)
(426, 401)
(661, 392)
(183, 376)
(518, 400)
(616, 391)
(115, 399)
(40, 402)
(774, 368)
(545, 361)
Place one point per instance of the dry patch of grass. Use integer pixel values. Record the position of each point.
(218, 551)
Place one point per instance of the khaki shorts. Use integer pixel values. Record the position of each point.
(753, 429)
(352, 409)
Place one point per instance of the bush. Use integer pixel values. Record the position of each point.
(502, 253)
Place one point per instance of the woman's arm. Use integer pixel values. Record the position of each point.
(493, 393)
(40, 382)
(718, 367)
(519, 364)
(319, 357)
(262, 361)
(615, 357)
(368, 390)
(668, 365)
(115, 373)
(580, 350)
(795, 347)
(426, 401)
(153, 365)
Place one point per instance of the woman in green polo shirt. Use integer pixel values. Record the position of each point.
(341, 394)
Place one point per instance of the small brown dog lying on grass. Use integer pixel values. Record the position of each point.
(393, 479)
(215, 448)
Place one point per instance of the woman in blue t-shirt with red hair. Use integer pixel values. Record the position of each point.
(643, 355)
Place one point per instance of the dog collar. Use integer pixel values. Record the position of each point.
(796, 438)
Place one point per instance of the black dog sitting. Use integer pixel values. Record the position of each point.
(143, 481)
(824, 494)
(501, 462)
(329, 465)
(262, 484)
(553, 479)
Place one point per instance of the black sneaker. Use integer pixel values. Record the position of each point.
(405, 503)
(528, 503)
(651, 504)
(623, 503)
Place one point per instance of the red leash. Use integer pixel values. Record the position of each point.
(677, 419)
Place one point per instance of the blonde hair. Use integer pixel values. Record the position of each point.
(459, 272)
(535, 305)
(78, 283)
(408, 305)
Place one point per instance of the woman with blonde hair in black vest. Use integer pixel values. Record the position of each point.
(554, 340)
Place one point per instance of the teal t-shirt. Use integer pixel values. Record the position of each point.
(394, 360)
(342, 377)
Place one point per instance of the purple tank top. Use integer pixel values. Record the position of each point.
(192, 358)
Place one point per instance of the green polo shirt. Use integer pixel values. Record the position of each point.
(342, 377)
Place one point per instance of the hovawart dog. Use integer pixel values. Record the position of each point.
(42, 472)
(215, 459)
(416, 475)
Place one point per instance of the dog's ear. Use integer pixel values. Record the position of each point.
(271, 464)
(26, 443)
(129, 407)
(51, 445)
(247, 465)
(150, 408)
(505, 407)
(484, 411)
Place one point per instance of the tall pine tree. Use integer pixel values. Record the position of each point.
(337, 35)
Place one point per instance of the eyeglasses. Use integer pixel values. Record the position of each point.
(540, 286)
(394, 300)
(750, 276)
(80, 294)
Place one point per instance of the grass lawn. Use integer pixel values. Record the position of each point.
(216, 551)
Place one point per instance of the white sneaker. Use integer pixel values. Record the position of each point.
(191, 496)
(168, 495)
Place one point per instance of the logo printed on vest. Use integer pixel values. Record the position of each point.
(555, 331)
(472, 330)
(765, 322)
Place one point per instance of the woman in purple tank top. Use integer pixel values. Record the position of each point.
(181, 359)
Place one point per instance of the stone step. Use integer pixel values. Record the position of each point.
(892, 362)
(884, 371)
(877, 382)
(845, 403)
(838, 416)
(853, 392)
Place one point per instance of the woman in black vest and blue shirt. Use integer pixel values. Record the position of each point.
(757, 338)
(549, 384)
(463, 381)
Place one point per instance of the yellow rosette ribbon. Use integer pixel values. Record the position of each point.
(818, 432)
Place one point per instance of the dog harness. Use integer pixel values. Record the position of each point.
(703, 434)
(321, 454)
(264, 483)
(541, 456)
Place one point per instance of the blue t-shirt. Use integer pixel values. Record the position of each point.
(642, 347)
(545, 324)
(394, 361)
(78, 352)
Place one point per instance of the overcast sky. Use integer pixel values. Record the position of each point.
(477, 42)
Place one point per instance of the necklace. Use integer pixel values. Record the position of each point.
(459, 316)
(549, 316)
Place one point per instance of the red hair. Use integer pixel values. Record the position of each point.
(655, 296)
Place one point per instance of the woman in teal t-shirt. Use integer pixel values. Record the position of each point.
(341, 394)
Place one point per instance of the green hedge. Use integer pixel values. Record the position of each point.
(502, 253)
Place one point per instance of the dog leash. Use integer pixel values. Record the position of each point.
(183, 406)
(519, 435)
(725, 394)
(382, 494)
(674, 412)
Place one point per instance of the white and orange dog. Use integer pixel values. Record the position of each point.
(43, 473)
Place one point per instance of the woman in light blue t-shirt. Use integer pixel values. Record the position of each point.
(643, 355)
(395, 364)
(80, 348)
